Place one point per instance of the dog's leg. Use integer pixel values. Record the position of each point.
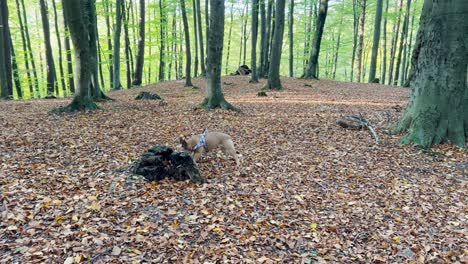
(196, 156)
(228, 149)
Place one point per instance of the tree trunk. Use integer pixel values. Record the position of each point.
(173, 48)
(361, 41)
(200, 38)
(15, 71)
(356, 18)
(404, 32)
(162, 30)
(384, 53)
(119, 6)
(6, 83)
(245, 32)
(241, 45)
(188, 59)
(207, 23)
(25, 50)
(128, 55)
(28, 43)
(51, 76)
(439, 98)
(229, 40)
(214, 94)
(375, 41)
(266, 47)
(262, 36)
(335, 63)
(394, 44)
(274, 82)
(59, 42)
(253, 54)
(308, 34)
(109, 42)
(312, 70)
(138, 77)
(404, 81)
(71, 80)
(291, 38)
(195, 37)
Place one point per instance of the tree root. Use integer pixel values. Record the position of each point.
(223, 104)
(358, 122)
(77, 105)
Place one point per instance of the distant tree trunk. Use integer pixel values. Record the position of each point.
(119, 7)
(51, 76)
(335, 63)
(396, 30)
(274, 82)
(253, 54)
(291, 38)
(99, 51)
(77, 18)
(384, 57)
(241, 45)
(30, 53)
(439, 90)
(59, 42)
(312, 70)
(128, 55)
(404, 32)
(375, 41)
(207, 24)
(173, 48)
(200, 38)
(109, 42)
(356, 18)
(180, 57)
(162, 30)
(229, 40)
(188, 59)
(6, 83)
(266, 47)
(25, 50)
(308, 33)
(138, 77)
(214, 94)
(404, 81)
(71, 80)
(262, 36)
(15, 71)
(195, 37)
(361, 41)
(245, 32)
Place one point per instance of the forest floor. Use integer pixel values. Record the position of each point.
(308, 190)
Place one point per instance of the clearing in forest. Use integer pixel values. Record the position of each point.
(307, 189)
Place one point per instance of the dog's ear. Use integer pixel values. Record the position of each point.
(183, 143)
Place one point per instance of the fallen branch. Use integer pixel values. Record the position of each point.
(358, 123)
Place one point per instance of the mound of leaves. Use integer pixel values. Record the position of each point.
(162, 162)
(147, 96)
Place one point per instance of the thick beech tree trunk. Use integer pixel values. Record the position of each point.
(253, 54)
(375, 40)
(214, 94)
(437, 110)
(138, 77)
(52, 86)
(312, 68)
(188, 59)
(274, 82)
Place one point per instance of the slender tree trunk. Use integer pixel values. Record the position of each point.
(137, 78)
(59, 42)
(308, 35)
(51, 76)
(266, 47)
(119, 6)
(361, 41)
(188, 59)
(335, 63)
(162, 30)
(128, 56)
(241, 45)
(437, 112)
(200, 38)
(394, 44)
(376, 39)
(25, 50)
(403, 37)
(71, 80)
(312, 69)
(6, 84)
(99, 51)
(15, 71)
(262, 36)
(356, 18)
(274, 82)
(384, 53)
(253, 54)
(214, 94)
(207, 23)
(407, 54)
(109, 42)
(229, 39)
(195, 37)
(245, 33)
(173, 48)
(29, 52)
(291, 38)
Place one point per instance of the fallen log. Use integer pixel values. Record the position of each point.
(355, 122)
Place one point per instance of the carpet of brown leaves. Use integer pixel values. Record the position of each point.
(307, 191)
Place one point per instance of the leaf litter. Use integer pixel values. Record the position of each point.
(308, 191)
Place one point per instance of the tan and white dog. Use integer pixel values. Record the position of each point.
(211, 141)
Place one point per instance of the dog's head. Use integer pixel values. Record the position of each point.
(184, 144)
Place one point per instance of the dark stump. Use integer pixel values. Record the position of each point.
(162, 162)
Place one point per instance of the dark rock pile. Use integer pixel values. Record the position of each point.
(147, 96)
(162, 162)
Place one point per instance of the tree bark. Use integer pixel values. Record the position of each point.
(128, 55)
(360, 41)
(356, 18)
(138, 77)
(274, 82)
(214, 94)
(394, 44)
(162, 30)
(71, 80)
(59, 42)
(6, 83)
(262, 36)
(384, 53)
(229, 40)
(253, 54)
(404, 79)
(52, 86)
(188, 59)
(375, 41)
(403, 37)
(439, 92)
(15, 71)
(25, 50)
(119, 6)
(335, 63)
(312, 70)
(200, 38)
(109, 42)
(195, 37)
(291, 38)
